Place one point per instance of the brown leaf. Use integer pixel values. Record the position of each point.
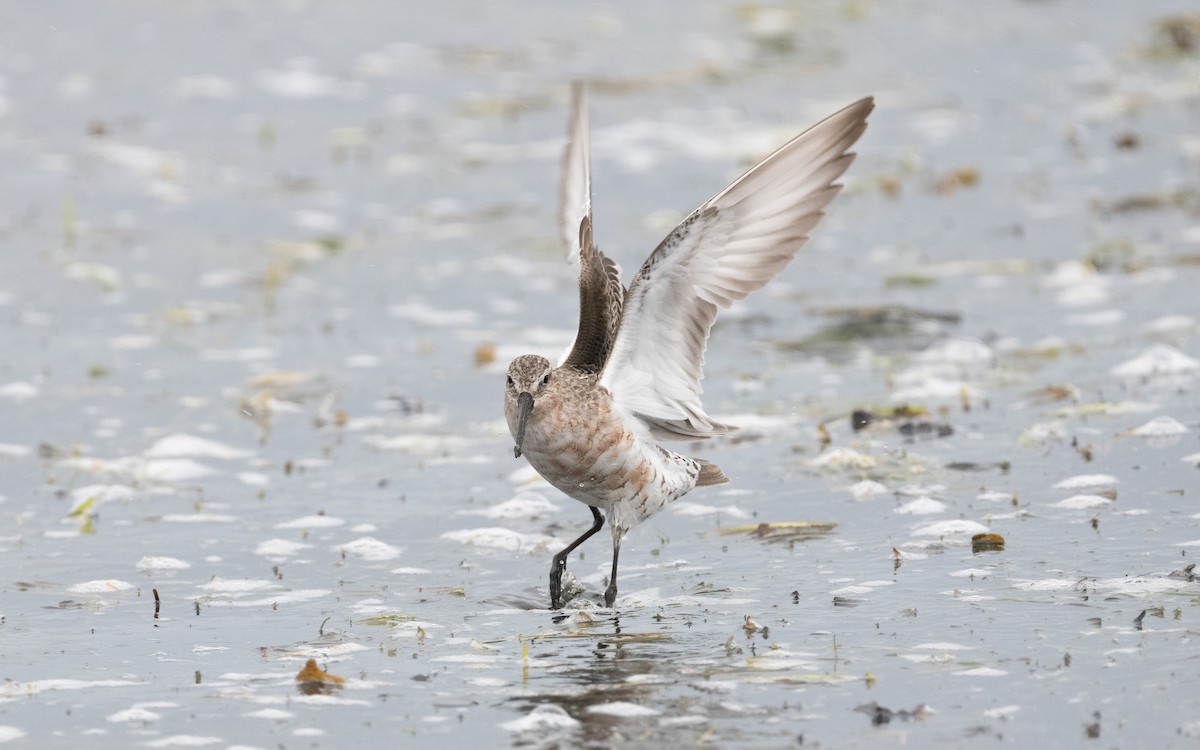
(314, 675)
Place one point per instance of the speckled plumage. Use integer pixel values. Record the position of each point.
(578, 440)
(632, 375)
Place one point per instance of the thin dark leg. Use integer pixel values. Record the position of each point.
(610, 593)
(559, 564)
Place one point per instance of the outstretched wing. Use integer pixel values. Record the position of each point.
(600, 291)
(726, 249)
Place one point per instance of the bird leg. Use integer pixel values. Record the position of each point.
(610, 593)
(559, 564)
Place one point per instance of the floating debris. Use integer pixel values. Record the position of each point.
(881, 715)
(902, 418)
(485, 354)
(845, 601)
(957, 178)
(1176, 37)
(839, 459)
(987, 543)
(1127, 141)
(388, 621)
(783, 531)
(872, 322)
(312, 680)
(1185, 199)
(1002, 466)
(614, 638)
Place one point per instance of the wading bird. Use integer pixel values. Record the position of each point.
(591, 425)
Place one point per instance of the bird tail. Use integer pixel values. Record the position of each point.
(710, 474)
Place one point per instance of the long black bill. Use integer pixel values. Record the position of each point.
(524, 406)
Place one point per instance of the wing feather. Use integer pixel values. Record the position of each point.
(600, 300)
(601, 293)
(575, 188)
(729, 247)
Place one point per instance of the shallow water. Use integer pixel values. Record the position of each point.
(263, 266)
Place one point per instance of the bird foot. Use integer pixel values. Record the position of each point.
(568, 590)
(610, 595)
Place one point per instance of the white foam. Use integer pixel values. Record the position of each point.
(8, 734)
(102, 586)
(185, 740)
(235, 585)
(1170, 324)
(284, 597)
(971, 573)
(867, 488)
(135, 714)
(951, 528)
(623, 709)
(430, 316)
(843, 458)
(958, 352)
(271, 714)
(698, 509)
(1160, 359)
(298, 81)
(523, 506)
(181, 445)
(370, 549)
(19, 391)
(253, 478)
(494, 537)
(982, 672)
(199, 518)
(311, 522)
(1082, 481)
(149, 563)
(1082, 502)
(1002, 712)
(1160, 427)
(279, 548)
(921, 506)
(542, 718)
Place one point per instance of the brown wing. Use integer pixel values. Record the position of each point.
(601, 298)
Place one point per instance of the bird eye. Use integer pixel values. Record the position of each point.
(510, 380)
(546, 379)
